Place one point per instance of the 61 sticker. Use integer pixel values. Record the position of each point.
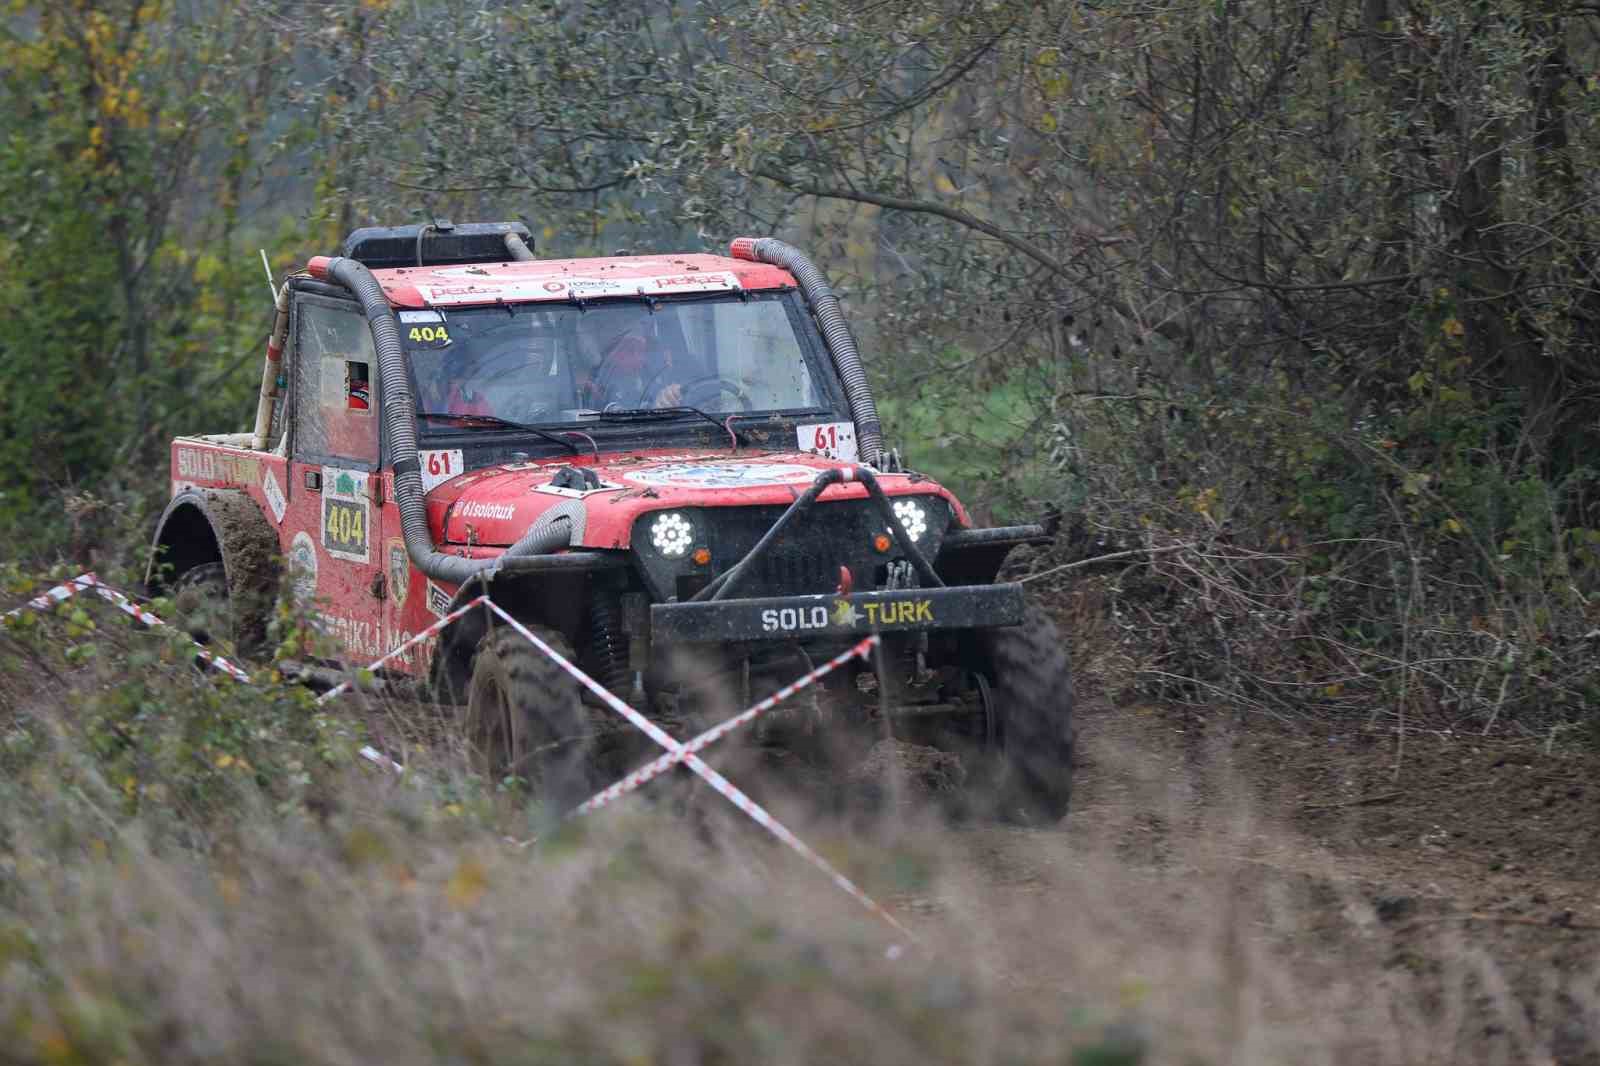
(439, 467)
(346, 515)
(836, 440)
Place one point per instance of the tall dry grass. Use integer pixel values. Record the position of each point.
(355, 916)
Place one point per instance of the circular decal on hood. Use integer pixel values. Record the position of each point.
(723, 475)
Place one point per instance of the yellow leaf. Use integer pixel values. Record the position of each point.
(224, 761)
(1047, 122)
(1452, 526)
(467, 885)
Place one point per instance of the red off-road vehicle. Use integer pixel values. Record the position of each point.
(670, 465)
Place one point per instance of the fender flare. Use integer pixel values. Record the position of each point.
(201, 526)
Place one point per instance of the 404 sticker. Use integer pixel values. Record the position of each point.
(346, 515)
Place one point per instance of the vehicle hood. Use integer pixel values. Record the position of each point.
(494, 506)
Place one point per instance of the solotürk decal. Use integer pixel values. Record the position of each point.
(846, 615)
(199, 464)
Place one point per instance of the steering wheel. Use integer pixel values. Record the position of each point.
(710, 385)
(498, 374)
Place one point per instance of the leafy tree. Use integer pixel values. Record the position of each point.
(127, 149)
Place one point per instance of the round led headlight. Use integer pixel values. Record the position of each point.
(913, 518)
(672, 534)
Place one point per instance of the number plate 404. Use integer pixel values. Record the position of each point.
(344, 528)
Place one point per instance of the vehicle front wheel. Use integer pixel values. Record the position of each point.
(1030, 672)
(523, 719)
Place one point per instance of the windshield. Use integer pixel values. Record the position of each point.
(544, 364)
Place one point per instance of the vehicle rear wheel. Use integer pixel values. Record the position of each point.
(523, 719)
(200, 603)
(1030, 675)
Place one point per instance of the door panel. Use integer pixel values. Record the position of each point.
(338, 492)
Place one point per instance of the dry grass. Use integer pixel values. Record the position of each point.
(366, 918)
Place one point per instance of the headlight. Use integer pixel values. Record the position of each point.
(672, 534)
(913, 518)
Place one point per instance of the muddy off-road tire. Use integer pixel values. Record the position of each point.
(1030, 674)
(523, 719)
(200, 603)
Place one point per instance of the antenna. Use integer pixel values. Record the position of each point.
(267, 266)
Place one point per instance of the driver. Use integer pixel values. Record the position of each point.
(513, 379)
(634, 371)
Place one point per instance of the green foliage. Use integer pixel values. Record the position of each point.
(1302, 277)
(132, 312)
(1408, 565)
(990, 446)
(175, 744)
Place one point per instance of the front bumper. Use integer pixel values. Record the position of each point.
(808, 617)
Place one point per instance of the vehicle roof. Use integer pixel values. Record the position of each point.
(563, 279)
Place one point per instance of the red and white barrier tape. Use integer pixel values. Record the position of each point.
(749, 806)
(343, 686)
(373, 755)
(61, 593)
(654, 769)
(676, 752)
(78, 584)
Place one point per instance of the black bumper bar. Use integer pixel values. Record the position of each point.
(826, 616)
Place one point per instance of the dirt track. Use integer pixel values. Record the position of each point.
(1281, 892)
(1261, 886)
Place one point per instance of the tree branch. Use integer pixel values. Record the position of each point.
(1167, 329)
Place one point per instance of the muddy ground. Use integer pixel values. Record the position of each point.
(1300, 891)
(1241, 888)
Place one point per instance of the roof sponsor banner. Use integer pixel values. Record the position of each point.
(564, 287)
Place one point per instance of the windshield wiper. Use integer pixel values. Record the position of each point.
(649, 414)
(496, 422)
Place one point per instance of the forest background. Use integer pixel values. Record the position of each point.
(1295, 301)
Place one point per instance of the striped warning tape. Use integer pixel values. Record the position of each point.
(56, 595)
(88, 582)
(378, 758)
(652, 770)
(749, 806)
(344, 686)
(676, 752)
